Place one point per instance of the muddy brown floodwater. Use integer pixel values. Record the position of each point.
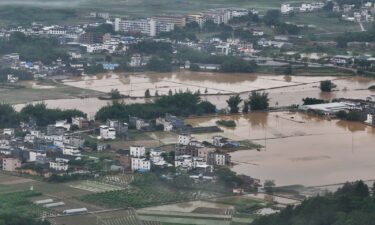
(283, 90)
(301, 149)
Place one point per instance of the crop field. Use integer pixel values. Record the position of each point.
(139, 197)
(94, 186)
(118, 180)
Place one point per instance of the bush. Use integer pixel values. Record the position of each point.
(226, 123)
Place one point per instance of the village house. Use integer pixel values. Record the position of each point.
(80, 122)
(60, 164)
(140, 164)
(107, 133)
(137, 151)
(11, 164)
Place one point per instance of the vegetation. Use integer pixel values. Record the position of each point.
(115, 94)
(351, 115)
(21, 74)
(312, 101)
(326, 86)
(38, 112)
(159, 64)
(351, 204)
(233, 103)
(258, 100)
(226, 123)
(8, 116)
(22, 15)
(44, 116)
(15, 209)
(237, 65)
(33, 49)
(180, 104)
(246, 107)
(150, 190)
(147, 93)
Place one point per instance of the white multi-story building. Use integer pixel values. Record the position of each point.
(144, 26)
(140, 164)
(107, 133)
(137, 151)
(71, 150)
(59, 164)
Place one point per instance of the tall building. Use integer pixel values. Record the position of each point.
(143, 26)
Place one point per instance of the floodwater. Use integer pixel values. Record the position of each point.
(283, 90)
(300, 149)
(135, 85)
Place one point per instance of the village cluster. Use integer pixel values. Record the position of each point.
(52, 149)
(83, 43)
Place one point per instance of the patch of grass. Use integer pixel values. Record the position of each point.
(241, 204)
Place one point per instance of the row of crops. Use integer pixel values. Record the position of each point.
(139, 197)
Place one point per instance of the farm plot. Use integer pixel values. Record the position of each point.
(118, 180)
(95, 186)
(139, 197)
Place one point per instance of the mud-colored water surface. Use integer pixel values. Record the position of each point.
(301, 149)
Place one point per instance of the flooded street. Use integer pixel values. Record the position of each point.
(301, 149)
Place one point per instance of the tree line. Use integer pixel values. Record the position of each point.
(39, 113)
(352, 204)
(179, 104)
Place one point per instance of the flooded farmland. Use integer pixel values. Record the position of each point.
(214, 87)
(300, 149)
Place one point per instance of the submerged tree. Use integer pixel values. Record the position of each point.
(258, 101)
(233, 103)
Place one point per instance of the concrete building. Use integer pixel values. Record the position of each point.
(11, 164)
(140, 164)
(184, 139)
(80, 122)
(107, 133)
(71, 150)
(143, 26)
(177, 20)
(137, 151)
(59, 164)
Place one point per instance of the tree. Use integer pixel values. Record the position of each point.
(258, 101)
(326, 86)
(312, 101)
(147, 93)
(269, 186)
(245, 108)
(288, 70)
(156, 93)
(272, 17)
(8, 116)
(170, 93)
(115, 94)
(233, 103)
(195, 67)
(159, 65)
